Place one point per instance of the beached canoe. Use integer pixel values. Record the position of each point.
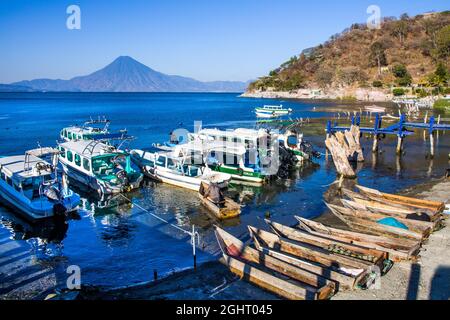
(398, 249)
(437, 207)
(360, 211)
(343, 248)
(306, 251)
(349, 273)
(228, 210)
(366, 225)
(272, 274)
(389, 209)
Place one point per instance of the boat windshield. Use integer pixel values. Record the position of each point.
(31, 186)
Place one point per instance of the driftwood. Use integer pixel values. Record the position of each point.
(345, 147)
(340, 158)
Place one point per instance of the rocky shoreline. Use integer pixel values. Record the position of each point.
(356, 94)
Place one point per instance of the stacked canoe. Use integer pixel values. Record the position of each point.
(313, 261)
(297, 264)
(409, 221)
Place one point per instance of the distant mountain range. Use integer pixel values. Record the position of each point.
(126, 75)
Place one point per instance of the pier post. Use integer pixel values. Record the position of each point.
(400, 135)
(430, 130)
(399, 145)
(375, 143)
(155, 274)
(193, 248)
(376, 126)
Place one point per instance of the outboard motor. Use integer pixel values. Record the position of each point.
(52, 193)
(59, 209)
(123, 176)
(307, 148)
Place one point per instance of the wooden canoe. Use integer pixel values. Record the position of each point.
(366, 225)
(360, 211)
(344, 280)
(228, 210)
(417, 213)
(437, 207)
(348, 273)
(398, 249)
(306, 251)
(261, 269)
(344, 248)
(389, 209)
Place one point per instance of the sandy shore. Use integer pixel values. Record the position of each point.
(428, 278)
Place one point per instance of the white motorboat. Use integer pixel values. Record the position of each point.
(32, 185)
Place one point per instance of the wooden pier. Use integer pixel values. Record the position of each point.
(401, 129)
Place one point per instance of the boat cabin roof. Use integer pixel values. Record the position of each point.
(42, 152)
(241, 132)
(14, 166)
(83, 130)
(273, 107)
(209, 146)
(90, 148)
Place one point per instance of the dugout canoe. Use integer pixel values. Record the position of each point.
(398, 249)
(260, 269)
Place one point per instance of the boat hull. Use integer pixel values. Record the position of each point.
(230, 209)
(38, 211)
(93, 183)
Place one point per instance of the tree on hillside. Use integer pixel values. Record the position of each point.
(350, 75)
(324, 76)
(378, 55)
(404, 79)
(432, 28)
(443, 42)
(440, 77)
(400, 30)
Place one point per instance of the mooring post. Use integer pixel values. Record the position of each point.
(155, 274)
(375, 133)
(193, 247)
(400, 135)
(328, 128)
(430, 130)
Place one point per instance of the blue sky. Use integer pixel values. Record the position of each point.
(203, 39)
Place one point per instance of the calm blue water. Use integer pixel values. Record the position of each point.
(122, 244)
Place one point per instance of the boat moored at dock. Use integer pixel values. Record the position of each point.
(91, 130)
(177, 169)
(32, 185)
(100, 166)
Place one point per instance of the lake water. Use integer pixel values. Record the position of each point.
(116, 243)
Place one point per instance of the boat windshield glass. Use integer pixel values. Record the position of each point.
(31, 186)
